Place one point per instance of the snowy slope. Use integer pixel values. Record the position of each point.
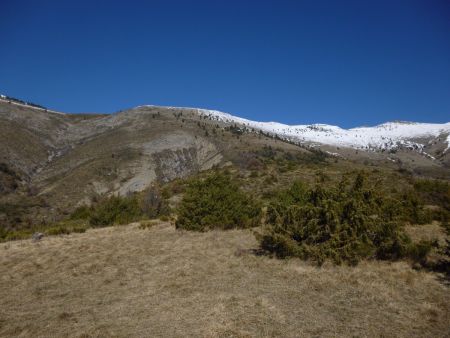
(384, 136)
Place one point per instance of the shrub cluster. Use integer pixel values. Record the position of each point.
(217, 202)
(345, 223)
(115, 210)
(413, 211)
(105, 211)
(437, 193)
(109, 211)
(286, 158)
(123, 209)
(434, 192)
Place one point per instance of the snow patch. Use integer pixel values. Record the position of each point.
(386, 136)
(390, 135)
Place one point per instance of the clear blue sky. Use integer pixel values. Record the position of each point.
(340, 62)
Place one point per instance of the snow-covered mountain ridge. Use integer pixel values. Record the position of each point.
(390, 135)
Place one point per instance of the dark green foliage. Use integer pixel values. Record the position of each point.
(115, 210)
(217, 202)
(15, 213)
(122, 210)
(82, 212)
(104, 212)
(67, 227)
(419, 252)
(345, 223)
(413, 211)
(3, 233)
(172, 188)
(58, 230)
(434, 192)
(16, 235)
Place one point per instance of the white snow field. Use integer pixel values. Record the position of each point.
(384, 136)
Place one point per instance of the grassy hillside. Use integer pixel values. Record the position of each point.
(128, 281)
(55, 162)
(262, 215)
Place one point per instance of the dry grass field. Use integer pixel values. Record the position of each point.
(129, 282)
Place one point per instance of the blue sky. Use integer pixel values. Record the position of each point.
(341, 62)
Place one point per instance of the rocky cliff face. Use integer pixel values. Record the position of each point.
(68, 158)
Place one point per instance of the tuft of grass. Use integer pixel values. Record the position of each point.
(164, 218)
(68, 226)
(147, 224)
(57, 230)
(64, 227)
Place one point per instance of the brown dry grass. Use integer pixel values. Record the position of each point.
(130, 282)
(427, 232)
